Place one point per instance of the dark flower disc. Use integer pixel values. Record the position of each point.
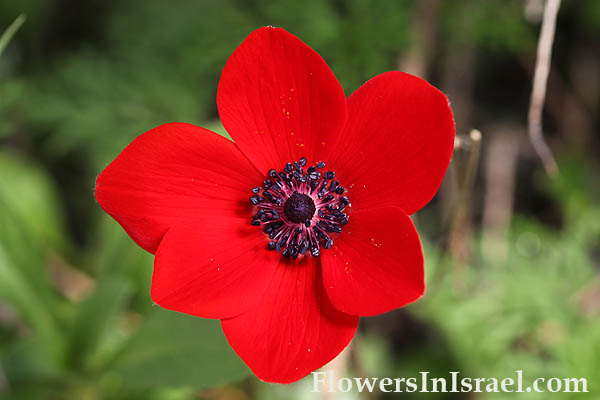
(300, 208)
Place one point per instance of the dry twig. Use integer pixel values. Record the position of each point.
(540, 80)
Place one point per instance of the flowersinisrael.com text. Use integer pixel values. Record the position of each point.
(454, 383)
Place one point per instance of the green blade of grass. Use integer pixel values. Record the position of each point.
(10, 32)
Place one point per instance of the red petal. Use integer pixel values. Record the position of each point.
(171, 175)
(376, 264)
(213, 269)
(294, 329)
(279, 100)
(397, 143)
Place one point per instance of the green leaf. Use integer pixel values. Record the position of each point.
(95, 316)
(32, 359)
(173, 349)
(117, 254)
(16, 290)
(29, 200)
(29, 222)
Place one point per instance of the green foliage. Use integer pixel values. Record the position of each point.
(31, 201)
(374, 35)
(194, 349)
(30, 222)
(94, 317)
(590, 16)
(498, 25)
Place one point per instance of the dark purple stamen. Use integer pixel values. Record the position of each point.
(298, 208)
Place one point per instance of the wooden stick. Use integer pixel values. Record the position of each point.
(538, 92)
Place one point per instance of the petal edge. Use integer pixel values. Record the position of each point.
(213, 269)
(173, 174)
(400, 129)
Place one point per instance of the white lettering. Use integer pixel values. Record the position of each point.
(556, 387)
(412, 385)
(492, 386)
(317, 381)
(361, 383)
(506, 384)
(465, 384)
(347, 382)
(454, 382)
(576, 381)
(383, 383)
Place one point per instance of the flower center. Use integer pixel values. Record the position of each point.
(299, 209)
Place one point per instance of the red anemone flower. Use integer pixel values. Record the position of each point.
(326, 236)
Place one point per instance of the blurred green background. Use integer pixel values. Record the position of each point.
(512, 255)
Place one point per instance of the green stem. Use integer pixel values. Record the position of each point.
(10, 32)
